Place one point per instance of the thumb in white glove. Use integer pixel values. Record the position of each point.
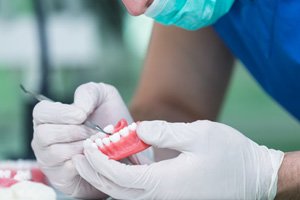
(216, 162)
(104, 106)
(102, 103)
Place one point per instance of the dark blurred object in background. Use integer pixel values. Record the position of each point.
(53, 46)
(111, 14)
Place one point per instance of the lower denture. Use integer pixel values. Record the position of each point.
(35, 175)
(126, 146)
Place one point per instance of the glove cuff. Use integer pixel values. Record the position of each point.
(269, 163)
(276, 160)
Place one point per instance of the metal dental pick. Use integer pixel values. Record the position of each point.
(40, 97)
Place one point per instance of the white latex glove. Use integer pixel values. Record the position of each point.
(59, 134)
(216, 162)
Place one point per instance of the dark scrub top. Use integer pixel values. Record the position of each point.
(265, 36)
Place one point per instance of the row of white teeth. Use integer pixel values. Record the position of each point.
(99, 141)
(21, 175)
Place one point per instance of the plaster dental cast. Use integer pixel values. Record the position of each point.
(184, 81)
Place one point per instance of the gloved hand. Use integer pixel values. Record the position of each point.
(59, 134)
(216, 162)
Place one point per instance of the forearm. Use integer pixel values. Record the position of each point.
(288, 186)
(141, 110)
(157, 110)
(184, 78)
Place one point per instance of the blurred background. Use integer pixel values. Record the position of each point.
(53, 46)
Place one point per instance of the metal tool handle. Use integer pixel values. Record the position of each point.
(40, 97)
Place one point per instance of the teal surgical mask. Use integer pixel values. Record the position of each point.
(188, 14)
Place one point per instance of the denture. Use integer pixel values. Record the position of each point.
(122, 142)
(12, 172)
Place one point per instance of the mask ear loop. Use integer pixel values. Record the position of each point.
(156, 8)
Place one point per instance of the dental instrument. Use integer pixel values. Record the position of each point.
(41, 97)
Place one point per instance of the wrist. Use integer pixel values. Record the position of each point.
(288, 186)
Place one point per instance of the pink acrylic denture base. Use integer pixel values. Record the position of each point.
(126, 146)
(36, 176)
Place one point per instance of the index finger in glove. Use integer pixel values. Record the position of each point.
(56, 154)
(57, 113)
(162, 134)
(87, 97)
(103, 184)
(49, 134)
(66, 178)
(102, 102)
(90, 95)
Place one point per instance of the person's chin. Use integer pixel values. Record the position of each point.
(137, 7)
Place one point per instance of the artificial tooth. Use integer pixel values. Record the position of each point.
(109, 128)
(132, 126)
(23, 175)
(94, 145)
(94, 137)
(87, 142)
(5, 174)
(100, 135)
(106, 141)
(124, 131)
(99, 143)
(115, 137)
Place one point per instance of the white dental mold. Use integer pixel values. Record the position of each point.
(26, 190)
